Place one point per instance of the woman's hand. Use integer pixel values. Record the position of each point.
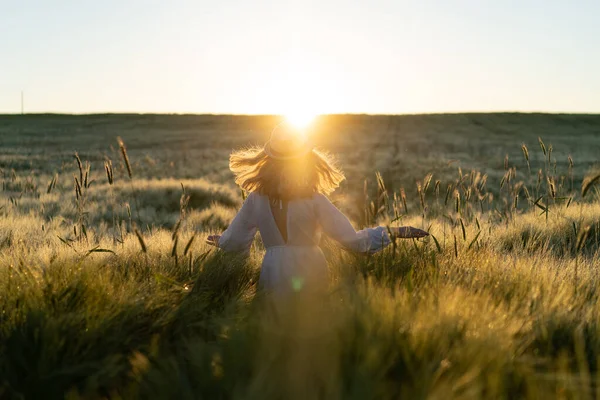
(213, 240)
(408, 232)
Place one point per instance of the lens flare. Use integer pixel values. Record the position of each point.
(297, 283)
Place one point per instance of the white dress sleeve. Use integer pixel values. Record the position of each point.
(239, 235)
(337, 226)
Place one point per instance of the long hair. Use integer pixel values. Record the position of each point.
(255, 171)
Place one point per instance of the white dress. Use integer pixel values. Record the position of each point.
(299, 262)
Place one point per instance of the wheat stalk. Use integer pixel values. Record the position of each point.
(403, 197)
(109, 171)
(125, 157)
(52, 183)
(141, 240)
(80, 166)
(174, 249)
(542, 145)
(188, 245)
(588, 183)
(526, 155)
(130, 174)
(176, 229)
(457, 198)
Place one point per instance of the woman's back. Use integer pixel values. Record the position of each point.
(292, 223)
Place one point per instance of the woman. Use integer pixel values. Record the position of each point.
(288, 181)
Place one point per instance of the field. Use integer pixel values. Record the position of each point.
(107, 289)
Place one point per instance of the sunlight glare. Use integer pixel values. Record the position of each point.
(300, 119)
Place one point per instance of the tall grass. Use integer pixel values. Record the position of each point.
(500, 302)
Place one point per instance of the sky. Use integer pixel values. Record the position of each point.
(299, 56)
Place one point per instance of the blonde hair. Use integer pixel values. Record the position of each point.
(314, 172)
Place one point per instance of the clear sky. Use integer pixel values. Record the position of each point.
(281, 56)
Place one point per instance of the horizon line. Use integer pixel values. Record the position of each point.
(132, 113)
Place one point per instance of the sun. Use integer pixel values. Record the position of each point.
(300, 119)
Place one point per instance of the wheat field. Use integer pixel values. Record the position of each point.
(108, 290)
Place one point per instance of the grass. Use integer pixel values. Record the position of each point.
(500, 302)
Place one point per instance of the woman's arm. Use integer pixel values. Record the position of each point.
(239, 235)
(337, 226)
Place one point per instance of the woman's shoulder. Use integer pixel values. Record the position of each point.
(319, 197)
(254, 196)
